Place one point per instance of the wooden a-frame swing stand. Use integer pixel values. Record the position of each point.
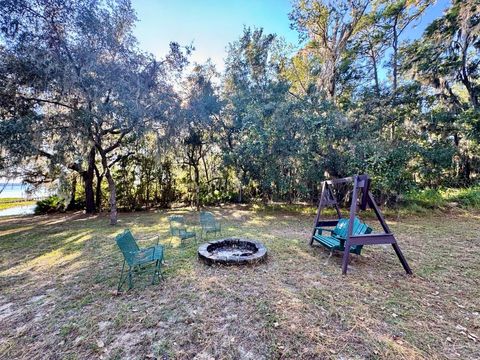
(361, 186)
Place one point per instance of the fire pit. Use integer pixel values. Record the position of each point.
(232, 251)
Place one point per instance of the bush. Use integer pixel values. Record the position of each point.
(467, 198)
(434, 199)
(428, 198)
(216, 197)
(50, 205)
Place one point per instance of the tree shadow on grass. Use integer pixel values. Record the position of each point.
(27, 250)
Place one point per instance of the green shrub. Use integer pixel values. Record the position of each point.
(467, 197)
(428, 198)
(216, 197)
(52, 204)
(434, 199)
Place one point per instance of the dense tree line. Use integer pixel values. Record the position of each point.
(82, 105)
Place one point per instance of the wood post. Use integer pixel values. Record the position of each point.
(380, 217)
(402, 259)
(319, 210)
(353, 211)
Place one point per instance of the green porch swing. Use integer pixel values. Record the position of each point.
(351, 234)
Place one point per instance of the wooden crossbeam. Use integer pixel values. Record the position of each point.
(372, 239)
(338, 181)
(360, 183)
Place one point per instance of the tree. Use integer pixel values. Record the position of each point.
(447, 60)
(81, 104)
(448, 54)
(76, 66)
(247, 85)
(370, 46)
(397, 16)
(329, 25)
(201, 111)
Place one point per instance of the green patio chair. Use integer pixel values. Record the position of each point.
(178, 228)
(209, 223)
(135, 257)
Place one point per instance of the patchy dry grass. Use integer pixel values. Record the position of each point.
(58, 276)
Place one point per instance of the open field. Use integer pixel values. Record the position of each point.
(58, 277)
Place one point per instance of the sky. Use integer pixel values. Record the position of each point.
(210, 25)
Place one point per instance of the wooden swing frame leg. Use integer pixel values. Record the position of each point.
(402, 259)
(346, 257)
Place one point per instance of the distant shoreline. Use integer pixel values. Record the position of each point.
(19, 192)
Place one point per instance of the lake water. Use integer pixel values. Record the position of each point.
(19, 191)
(18, 210)
(16, 190)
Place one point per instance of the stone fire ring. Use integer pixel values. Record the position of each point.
(232, 251)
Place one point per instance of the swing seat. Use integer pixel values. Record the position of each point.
(338, 235)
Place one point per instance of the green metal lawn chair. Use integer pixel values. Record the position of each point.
(209, 223)
(178, 228)
(135, 257)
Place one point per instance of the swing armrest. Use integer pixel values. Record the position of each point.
(320, 229)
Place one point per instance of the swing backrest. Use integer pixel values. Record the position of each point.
(341, 230)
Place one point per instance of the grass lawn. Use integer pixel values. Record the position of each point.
(58, 278)
(8, 203)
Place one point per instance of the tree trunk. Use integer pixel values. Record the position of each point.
(326, 80)
(375, 72)
(206, 169)
(471, 89)
(87, 177)
(113, 197)
(72, 203)
(395, 57)
(196, 172)
(147, 191)
(98, 190)
(465, 170)
(395, 73)
(111, 188)
(332, 81)
(464, 78)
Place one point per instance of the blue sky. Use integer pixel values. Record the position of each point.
(211, 24)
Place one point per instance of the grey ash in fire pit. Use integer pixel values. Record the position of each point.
(232, 251)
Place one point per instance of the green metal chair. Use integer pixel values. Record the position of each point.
(209, 223)
(178, 228)
(135, 257)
